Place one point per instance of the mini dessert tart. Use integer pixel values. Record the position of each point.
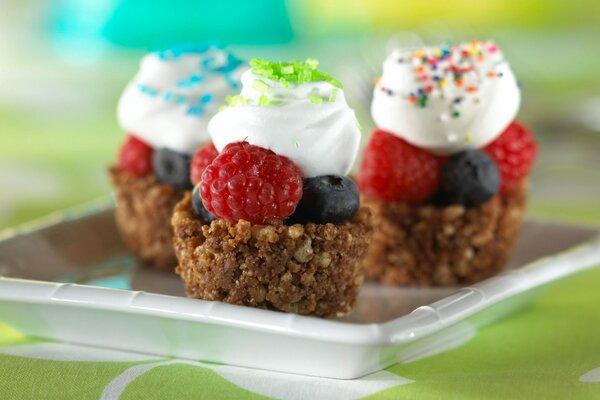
(165, 109)
(288, 232)
(445, 173)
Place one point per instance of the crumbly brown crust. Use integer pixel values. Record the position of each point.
(312, 269)
(431, 245)
(143, 214)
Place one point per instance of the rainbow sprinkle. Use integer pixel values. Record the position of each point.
(462, 68)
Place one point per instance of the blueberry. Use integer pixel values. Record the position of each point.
(327, 198)
(469, 178)
(198, 206)
(172, 167)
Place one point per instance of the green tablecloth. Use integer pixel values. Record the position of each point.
(550, 350)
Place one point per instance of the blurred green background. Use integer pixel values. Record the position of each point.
(63, 64)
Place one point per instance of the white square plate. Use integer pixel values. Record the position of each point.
(42, 266)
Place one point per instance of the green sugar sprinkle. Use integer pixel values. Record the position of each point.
(423, 102)
(315, 99)
(236, 100)
(296, 72)
(263, 100)
(312, 63)
(332, 96)
(260, 86)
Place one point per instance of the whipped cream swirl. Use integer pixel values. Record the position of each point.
(446, 99)
(175, 93)
(309, 123)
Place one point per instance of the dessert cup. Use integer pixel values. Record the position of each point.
(164, 111)
(311, 269)
(446, 172)
(143, 210)
(426, 244)
(288, 234)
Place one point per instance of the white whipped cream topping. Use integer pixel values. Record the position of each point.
(321, 139)
(472, 96)
(175, 93)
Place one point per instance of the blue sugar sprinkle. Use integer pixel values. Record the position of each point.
(232, 83)
(177, 52)
(168, 96)
(206, 98)
(195, 111)
(231, 64)
(206, 63)
(147, 90)
(190, 81)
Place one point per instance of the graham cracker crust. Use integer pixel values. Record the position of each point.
(143, 213)
(432, 245)
(312, 269)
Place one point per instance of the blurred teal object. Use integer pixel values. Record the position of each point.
(93, 24)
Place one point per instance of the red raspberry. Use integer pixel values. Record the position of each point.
(135, 156)
(203, 157)
(514, 152)
(394, 170)
(251, 183)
